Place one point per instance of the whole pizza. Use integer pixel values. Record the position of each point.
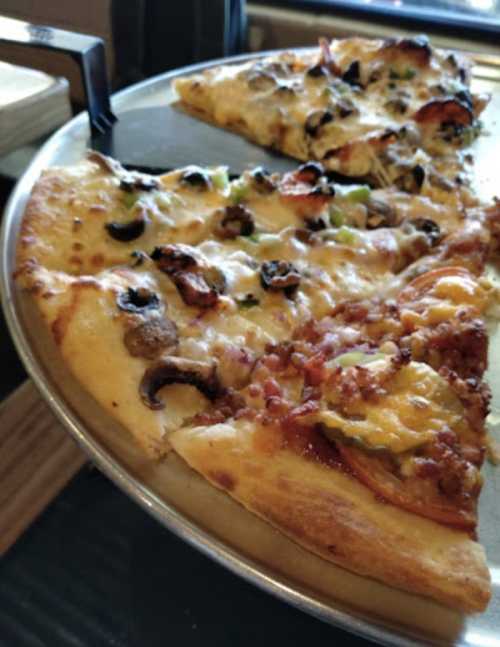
(312, 343)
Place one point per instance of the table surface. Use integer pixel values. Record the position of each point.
(95, 570)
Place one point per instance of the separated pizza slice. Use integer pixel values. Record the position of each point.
(394, 112)
(362, 437)
(314, 498)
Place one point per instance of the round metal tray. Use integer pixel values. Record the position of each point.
(186, 504)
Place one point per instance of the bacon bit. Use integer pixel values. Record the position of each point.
(460, 345)
(254, 390)
(277, 407)
(272, 388)
(473, 394)
(311, 406)
(272, 362)
(314, 371)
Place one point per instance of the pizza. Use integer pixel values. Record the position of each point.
(315, 349)
(390, 112)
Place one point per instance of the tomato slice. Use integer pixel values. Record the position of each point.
(415, 494)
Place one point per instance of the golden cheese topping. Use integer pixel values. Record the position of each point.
(418, 405)
(396, 111)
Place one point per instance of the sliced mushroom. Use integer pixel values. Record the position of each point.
(379, 214)
(450, 111)
(198, 289)
(127, 231)
(197, 178)
(138, 300)
(352, 74)
(150, 338)
(430, 228)
(233, 221)
(416, 48)
(315, 120)
(173, 258)
(177, 370)
(279, 275)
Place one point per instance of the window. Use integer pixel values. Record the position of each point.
(480, 19)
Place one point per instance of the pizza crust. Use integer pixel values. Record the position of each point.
(333, 515)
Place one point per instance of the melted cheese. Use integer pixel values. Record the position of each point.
(418, 405)
(271, 100)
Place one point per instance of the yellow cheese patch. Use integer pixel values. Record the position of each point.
(419, 403)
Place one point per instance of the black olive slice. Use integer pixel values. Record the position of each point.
(126, 231)
(196, 177)
(236, 220)
(351, 75)
(310, 172)
(262, 180)
(279, 275)
(315, 120)
(430, 228)
(137, 300)
(131, 183)
(316, 71)
(316, 223)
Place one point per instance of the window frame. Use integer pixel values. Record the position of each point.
(478, 29)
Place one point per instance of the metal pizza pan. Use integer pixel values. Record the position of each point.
(206, 517)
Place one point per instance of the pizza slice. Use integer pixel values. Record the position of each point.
(315, 349)
(362, 438)
(393, 112)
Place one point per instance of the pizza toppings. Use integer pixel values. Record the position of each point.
(198, 284)
(138, 301)
(379, 214)
(262, 180)
(352, 74)
(316, 120)
(444, 111)
(200, 289)
(416, 49)
(127, 231)
(152, 337)
(196, 177)
(279, 275)
(430, 228)
(177, 370)
(131, 182)
(234, 221)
